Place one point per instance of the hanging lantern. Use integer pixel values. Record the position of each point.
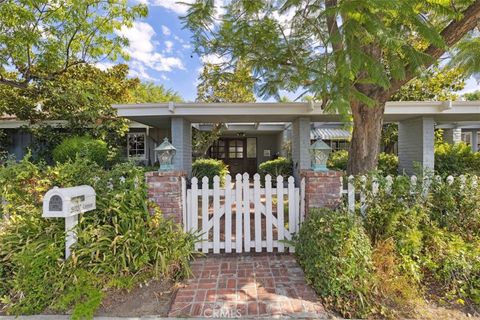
(166, 151)
(319, 152)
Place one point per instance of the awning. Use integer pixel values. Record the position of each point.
(330, 134)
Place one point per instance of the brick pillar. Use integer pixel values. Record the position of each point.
(165, 189)
(322, 189)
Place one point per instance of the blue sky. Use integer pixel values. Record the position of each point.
(160, 49)
(161, 52)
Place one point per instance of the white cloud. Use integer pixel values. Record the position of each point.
(213, 59)
(169, 46)
(472, 84)
(166, 30)
(179, 8)
(104, 65)
(142, 49)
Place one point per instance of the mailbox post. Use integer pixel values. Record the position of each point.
(68, 203)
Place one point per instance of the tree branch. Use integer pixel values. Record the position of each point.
(451, 34)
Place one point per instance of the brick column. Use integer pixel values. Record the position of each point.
(165, 189)
(322, 189)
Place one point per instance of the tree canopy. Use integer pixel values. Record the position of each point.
(351, 55)
(40, 40)
(235, 85)
(150, 92)
(217, 85)
(472, 96)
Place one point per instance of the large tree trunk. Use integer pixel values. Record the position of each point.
(367, 132)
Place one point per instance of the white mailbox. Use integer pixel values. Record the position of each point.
(68, 203)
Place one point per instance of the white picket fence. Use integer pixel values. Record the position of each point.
(374, 184)
(241, 216)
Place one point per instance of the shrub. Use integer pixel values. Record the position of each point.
(454, 159)
(209, 168)
(453, 264)
(277, 167)
(338, 160)
(335, 253)
(387, 163)
(121, 239)
(84, 147)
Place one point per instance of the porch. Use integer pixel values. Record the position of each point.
(417, 121)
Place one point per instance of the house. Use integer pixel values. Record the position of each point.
(256, 132)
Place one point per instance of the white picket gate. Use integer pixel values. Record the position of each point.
(241, 216)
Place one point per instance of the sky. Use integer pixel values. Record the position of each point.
(161, 51)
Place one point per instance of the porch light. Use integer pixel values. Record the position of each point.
(166, 151)
(319, 152)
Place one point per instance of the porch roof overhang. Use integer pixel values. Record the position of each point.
(159, 114)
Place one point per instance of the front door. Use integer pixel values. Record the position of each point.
(233, 152)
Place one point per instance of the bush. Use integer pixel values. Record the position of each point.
(277, 167)
(84, 147)
(121, 239)
(455, 159)
(387, 163)
(338, 160)
(209, 168)
(335, 253)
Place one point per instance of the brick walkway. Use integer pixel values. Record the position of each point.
(232, 286)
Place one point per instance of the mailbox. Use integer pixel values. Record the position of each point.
(67, 202)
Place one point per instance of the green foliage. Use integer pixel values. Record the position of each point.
(150, 92)
(452, 159)
(124, 238)
(209, 168)
(233, 86)
(335, 253)
(338, 160)
(277, 167)
(294, 59)
(387, 163)
(80, 32)
(85, 147)
(472, 96)
(434, 85)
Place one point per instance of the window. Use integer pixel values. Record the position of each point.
(337, 145)
(235, 149)
(467, 137)
(251, 147)
(136, 147)
(217, 150)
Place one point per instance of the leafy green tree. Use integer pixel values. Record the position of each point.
(472, 96)
(150, 92)
(234, 85)
(351, 55)
(434, 85)
(82, 97)
(42, 39)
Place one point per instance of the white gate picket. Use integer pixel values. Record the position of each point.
(280, 218)
(205, 219)
(246, 211)
(228, 214)
(237, 198)
(258, 213)
(217, 214)
(268, 212)
(238, 213)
